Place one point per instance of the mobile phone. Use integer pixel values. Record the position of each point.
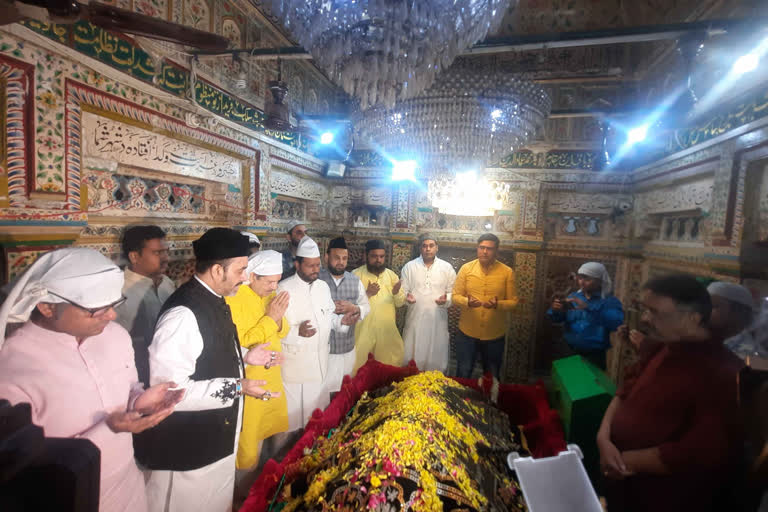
(633, 319)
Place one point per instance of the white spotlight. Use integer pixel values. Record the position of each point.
(466, 178)
(746, 63)
(326, 138)
(405, 170)
(638, 134)
(496, 114)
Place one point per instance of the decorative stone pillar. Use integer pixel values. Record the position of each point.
(522, 331)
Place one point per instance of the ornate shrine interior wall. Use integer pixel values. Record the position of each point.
(98, 138)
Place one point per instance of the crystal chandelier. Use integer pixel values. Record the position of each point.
(471, 116)
(382, 51)
(466, 194)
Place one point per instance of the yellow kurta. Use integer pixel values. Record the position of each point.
(378, 332)
(261, 419)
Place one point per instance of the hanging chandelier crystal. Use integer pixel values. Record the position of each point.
(471, 116)
(467, 194)
(382, 51)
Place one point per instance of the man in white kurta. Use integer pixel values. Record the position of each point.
(428, 285)
(196, 345)
(312, 316)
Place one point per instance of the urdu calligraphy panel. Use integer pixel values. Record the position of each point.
(106, 138)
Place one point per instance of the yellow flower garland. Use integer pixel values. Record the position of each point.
(385, 436)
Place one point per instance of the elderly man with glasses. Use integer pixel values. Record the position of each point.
(74, 365)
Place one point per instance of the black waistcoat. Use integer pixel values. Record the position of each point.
(191, 440)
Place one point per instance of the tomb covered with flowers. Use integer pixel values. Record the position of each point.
(420, 442)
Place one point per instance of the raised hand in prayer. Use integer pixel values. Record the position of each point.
(306, 330)
(410, 299)
(473, 302)
(150, 408)
(134, 422)
(252, 387)
(277, 306)
(396, 288)
(492, 303)
(441, 300)
(158, 398)
(261, 355)
(373, 289)
(344, 307)
(577, 302)
(350, 318)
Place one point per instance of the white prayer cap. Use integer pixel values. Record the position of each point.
(732, 292)
(82, 276)
(293, 224)
(597, 271)
(307, 248)
(252, 239)
(265, 263)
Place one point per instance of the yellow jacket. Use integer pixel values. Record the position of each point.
(261, 419)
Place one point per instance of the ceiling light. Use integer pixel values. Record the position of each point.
(380, 51)
(404, 170)
(451, 126)
(638, 134)
(326, 138)
(746, 63)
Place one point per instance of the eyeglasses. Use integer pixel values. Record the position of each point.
(93, 312)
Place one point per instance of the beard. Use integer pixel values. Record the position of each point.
(337, 271)
(308, 278)
(375, 268)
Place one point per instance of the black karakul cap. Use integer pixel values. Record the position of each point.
(337, 243)
(372, 245)
(220, 244)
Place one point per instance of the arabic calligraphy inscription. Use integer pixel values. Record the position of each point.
(112, 140)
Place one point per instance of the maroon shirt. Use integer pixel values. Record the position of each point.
(682, 398)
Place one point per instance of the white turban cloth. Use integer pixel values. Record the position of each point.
(732, 292)
(265, 263)
(307, 248)
(597, 271)
(252, 239)
(79, 275)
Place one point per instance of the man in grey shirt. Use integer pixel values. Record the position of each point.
(146, 288)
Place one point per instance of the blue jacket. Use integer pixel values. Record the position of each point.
(589, 329)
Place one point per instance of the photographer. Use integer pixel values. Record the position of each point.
(589, 314)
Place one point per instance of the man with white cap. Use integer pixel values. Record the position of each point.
(192, 457)
(732, 308)
(75, 365)
(295, 232)
(590, 314)
(311, 315)
(254, 244)
(259, 314)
